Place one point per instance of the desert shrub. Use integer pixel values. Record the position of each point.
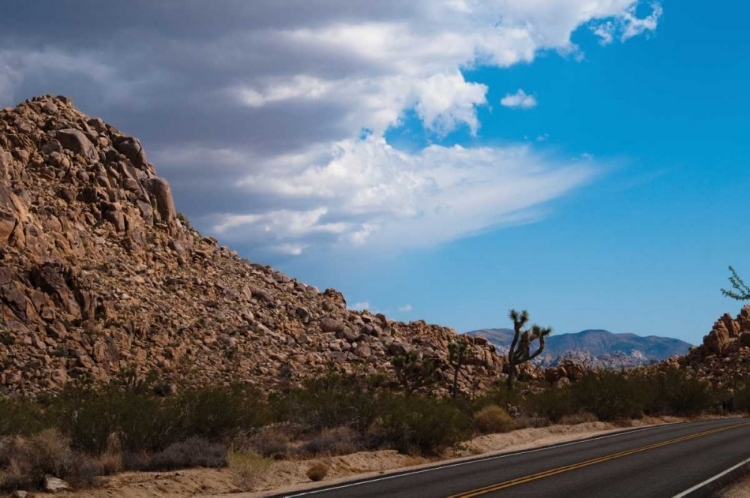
(246, 467)
(25, 461)
(675, 392)
(219, 413)
(147, 422)
(192, 452)
(493, 419)
(20, 417)
(111, 459)
(578, 418)
(333, 400)
(89, 416)
(551, 404)
(610, 395)
(525, 421)
(499, 394)
(270, 442)
(420, 424)
(742, 397)
(135, 460)
(338, 441)
(83, 471)
(317, 472)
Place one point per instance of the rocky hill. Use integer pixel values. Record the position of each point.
(99, 272)
(724, 356)
(596, 348)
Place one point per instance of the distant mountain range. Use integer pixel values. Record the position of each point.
(596, 348)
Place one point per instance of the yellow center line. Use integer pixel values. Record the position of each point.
(593, 461)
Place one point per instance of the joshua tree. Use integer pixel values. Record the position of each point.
(457, 352)
(520, 348)
(741, 291)
(413, 372)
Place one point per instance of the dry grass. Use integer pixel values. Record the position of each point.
(578, 418)
(494, 419)
(338, 441)
(247, 467)
(111, 459)
(270, 443)
(27, 460)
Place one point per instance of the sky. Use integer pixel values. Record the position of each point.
(444, 160)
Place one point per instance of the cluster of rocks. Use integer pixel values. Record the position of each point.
(724, 356)
(99, 273)
(565, 372)
(617, 360)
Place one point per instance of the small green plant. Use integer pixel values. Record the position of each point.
(741, 290)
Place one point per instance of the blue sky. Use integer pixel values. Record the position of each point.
(365, 146)
(644, 247)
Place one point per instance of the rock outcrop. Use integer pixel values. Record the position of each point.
(98, 272)
(724, 356)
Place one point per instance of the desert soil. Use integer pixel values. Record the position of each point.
(740, 489)
(289, 475)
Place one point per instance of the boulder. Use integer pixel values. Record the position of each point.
(52, 484)
(77, 142)
(159, 188)
(132, 149)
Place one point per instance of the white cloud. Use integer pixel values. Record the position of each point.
(364, 192)
(519, 100)
(255, 121)
(405, 308)
(363, 305)
(628, 25)
(290, 249)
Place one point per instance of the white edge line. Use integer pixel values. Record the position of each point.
(709, 481)
(470, 462)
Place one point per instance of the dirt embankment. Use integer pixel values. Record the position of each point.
(289, 475)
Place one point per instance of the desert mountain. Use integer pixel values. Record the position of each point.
(596, 348)
(99, 273)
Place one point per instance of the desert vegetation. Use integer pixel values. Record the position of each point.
(521, 348)
(87, 431)
(740, 290)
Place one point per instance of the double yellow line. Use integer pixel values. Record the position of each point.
(587, 463)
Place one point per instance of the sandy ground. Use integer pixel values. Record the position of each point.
(290, 475)
(740, 489)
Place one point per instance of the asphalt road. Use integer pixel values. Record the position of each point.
(661, 461)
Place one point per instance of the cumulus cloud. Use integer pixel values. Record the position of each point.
(363, 191)
(253, 110)
(519, 100)
(405, 308)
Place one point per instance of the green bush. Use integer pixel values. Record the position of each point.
(20, 417)
(493, 419)
(674, 392)
(420, 424)
(742, 397)
(610, 395)
(553, 403)
(330, 401)
(146, 422)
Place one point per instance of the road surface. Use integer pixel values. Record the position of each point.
(662, 461)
